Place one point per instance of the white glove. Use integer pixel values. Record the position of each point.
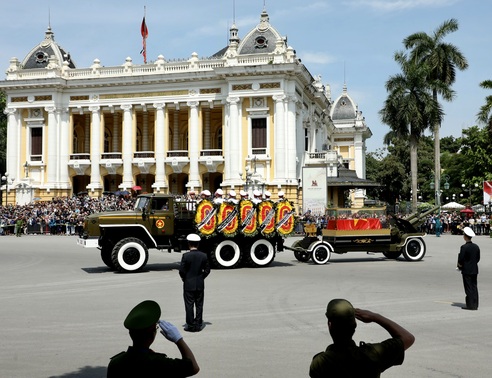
(170, 331)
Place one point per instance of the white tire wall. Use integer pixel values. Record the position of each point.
(321, 254)
(414, 249)
(227, 254)
(261, 253)
(130, 255)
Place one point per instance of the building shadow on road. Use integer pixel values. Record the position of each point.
(84, 372)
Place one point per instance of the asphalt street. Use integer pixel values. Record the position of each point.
(62, 310)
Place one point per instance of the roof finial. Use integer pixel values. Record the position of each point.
(233, 12)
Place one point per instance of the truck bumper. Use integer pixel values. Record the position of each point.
(88, 243)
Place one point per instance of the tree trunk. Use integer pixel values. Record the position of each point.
(437, 159)
(413, 171)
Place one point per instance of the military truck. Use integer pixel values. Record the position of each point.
(232, 233)
(363, 230)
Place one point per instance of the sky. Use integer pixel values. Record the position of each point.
(344, 41)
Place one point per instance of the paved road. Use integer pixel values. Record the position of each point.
(62, 310)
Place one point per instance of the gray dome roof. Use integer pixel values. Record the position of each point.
(261, 39)
(344, 108)
(39, 56)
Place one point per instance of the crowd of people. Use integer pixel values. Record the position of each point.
(60, 216)
(454, 223)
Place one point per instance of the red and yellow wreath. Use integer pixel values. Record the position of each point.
(285, 218)
(206, 218)
(247, 215)
(266, 218)
(228, 219)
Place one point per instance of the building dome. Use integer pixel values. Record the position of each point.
(344, 107)
(262, 39)
(40, 55)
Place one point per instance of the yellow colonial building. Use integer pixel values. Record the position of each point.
(251, 116)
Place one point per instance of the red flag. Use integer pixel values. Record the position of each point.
(145, 32)
(143, 29)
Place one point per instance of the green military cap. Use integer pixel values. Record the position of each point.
(340, 309)
(143, 315)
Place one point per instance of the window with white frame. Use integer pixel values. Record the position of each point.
(258, 136)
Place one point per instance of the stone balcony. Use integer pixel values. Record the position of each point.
(211, 159)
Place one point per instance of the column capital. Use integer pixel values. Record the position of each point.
(9, 111)
(279, 97)
(159, 105)
(94, 109)
(126, 107)
(193, 104)
(50, 109)
(232, 100)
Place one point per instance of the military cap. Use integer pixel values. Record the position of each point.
(206, 193)
(193, 238)
(340, 309)
(256, 193)
(468, 232)
(267, 193)
(144, 315)
(281, 193)
(232, 193)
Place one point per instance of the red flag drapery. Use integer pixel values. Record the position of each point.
(145, 32)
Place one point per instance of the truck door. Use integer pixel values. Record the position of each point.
(161, 219)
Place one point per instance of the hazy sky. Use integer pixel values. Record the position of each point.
(341, 40)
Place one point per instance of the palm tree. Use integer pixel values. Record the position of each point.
(443, 60)
(485, 113)
(410, 109)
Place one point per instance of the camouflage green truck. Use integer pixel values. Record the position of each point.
(231, 233)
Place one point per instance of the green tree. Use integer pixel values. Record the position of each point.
(443, 59)
(410, 109)
(485, 114)
(476, 159)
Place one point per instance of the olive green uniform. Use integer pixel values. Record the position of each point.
(350, 361)
(147, 363)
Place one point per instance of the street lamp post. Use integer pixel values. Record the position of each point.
(469, 191)
(5, 178)
(437, 188)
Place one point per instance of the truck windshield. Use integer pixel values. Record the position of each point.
(141, 203)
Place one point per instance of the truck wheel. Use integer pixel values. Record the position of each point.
(321, 254)
(226, 254)
(414, 249)
(130, 255)
(302, 256)
(392, 255)
(261, 253)
(106, 256)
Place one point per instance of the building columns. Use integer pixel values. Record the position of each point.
(13, 133)
(161, 136)
(95, 148)
(279, 139)
(127, 149)
(193, 145)
(65, 142)
(52, 158)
